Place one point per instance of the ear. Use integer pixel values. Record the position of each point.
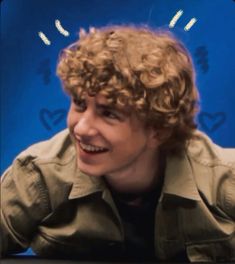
(158, 137)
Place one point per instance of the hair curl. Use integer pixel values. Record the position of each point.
(149, 71)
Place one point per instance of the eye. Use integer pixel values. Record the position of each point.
(80, 104)
(110, 114)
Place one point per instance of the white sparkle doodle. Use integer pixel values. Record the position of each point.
(175, 18)
(61, 29)
(190, 24)
(44, 38)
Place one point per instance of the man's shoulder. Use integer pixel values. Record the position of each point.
(49, 166)
(58, 148)
(203, 150)
(213, 169)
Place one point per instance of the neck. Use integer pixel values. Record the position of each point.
(139, 178)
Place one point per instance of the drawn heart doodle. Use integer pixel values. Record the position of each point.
(211, 121)
(50, 119)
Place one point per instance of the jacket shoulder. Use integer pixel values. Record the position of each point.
(203, 150)
(56, 149)
(53, 161)
(214, 173)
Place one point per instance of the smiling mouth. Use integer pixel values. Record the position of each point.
(92, 149)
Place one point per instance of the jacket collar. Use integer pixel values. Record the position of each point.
(179, 178)
(85, 185)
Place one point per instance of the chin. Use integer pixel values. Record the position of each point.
(89, 170)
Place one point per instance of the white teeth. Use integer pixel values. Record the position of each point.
(91, 148)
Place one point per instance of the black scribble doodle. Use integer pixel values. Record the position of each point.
(45, 71)
(211, 121)
(50, 119)
(201, 55)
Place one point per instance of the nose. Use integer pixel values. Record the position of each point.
(86, 126)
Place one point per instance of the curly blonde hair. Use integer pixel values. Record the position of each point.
(150, 71)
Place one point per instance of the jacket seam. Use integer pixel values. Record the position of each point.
(51, 239)
(211, 241)
(53, 161)
(213, 163)
(38, 183)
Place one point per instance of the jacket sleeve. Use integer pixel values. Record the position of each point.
(226, 202)
(24, 203)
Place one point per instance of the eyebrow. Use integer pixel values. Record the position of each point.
(108, 107)
(102, 106)
(122, 113)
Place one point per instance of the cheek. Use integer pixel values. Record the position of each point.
(72, 119)
(128, 141)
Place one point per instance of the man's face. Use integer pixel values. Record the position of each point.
(107, 140)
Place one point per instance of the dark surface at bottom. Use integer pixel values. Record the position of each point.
(36, 260)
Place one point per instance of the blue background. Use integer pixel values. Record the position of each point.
(33, 105)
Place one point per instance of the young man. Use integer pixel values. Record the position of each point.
(132, 178)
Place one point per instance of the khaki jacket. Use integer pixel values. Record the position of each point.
(49, 205)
